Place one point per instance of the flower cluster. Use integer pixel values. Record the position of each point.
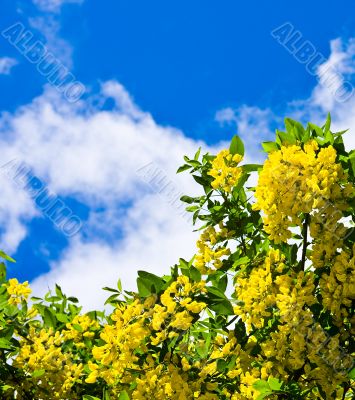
(43, 352)
(296, 181)
(225, 170)
(17, 291)
(298, 342)
(211, 249)
(138, 326)
(338, 289)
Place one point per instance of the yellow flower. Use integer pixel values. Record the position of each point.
(225, 170)
(182, 321)
(17, 291)
(295, 181)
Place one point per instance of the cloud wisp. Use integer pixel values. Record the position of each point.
(6, 65)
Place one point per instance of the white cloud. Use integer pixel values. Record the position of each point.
(336, 74)
(99, 151)
(154, 239)
(50, 27)
(97, 157)
(253, 124)
(54, 5)
(6, 65)
(332, 75)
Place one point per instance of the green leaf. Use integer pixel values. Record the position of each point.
(88, 397)
(201, 181)
(263, 395)
(36, 298)
(329, 137)
(187, 199)
(240, 332)
(195, 274)
(340, 133)
(261, 386)
(11, 310)
(240, 261)
(51, 299)
(307, 135)
(294, 128)
(112, 299)
(108, 289)
(326, 126)
(202, 349)
(49, 318)
(216, 293)
(236, 146)
(62, 318)
(73, 299)
(183, 168)
(222, 283)
(251, 167)
(192, 208)
(270, 146)
(58, 291)
(123, 396)
(38, 372)
(78, 327)
(6, 257)
(2, 272)
(6, 387)
(183, 264)
(274, 384)
(5, 344)
(155, 282)
(352, 161)
(221, 365)
(316, 128)
(144, 287)
(223, 307)
(197, 155)
(352, 374)
(286, 138)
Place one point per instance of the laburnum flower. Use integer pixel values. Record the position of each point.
(297, 180)
(338, 287)
(211, 250)
(225, 170)
(43, 350)
(17, 291)
(139, 324)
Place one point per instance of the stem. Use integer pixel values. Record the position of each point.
(304, 234)
(232, 320)
(243, 244)
(345, 391)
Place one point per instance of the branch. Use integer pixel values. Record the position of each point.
(244, 245)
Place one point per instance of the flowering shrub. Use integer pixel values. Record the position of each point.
(265, 309)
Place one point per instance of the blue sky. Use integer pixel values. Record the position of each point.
(161, 78)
